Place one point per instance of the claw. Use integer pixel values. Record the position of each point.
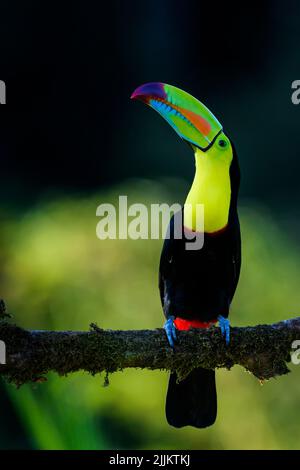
(225, 327)
(170, 330)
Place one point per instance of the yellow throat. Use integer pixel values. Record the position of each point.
(211, 187)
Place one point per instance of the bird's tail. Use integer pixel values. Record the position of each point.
(193, 401)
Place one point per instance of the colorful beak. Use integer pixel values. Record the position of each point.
(191, 120)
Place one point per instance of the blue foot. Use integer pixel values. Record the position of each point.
(225, 327)
(170, 330)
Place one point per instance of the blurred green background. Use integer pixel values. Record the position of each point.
(71, 139)
(57, 274)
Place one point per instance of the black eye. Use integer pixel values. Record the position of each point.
(222, 143)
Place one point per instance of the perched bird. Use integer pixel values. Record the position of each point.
(197, 286)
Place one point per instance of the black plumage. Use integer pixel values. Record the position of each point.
(200, 285)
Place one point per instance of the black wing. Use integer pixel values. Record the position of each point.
(200, 283)
(235, 254)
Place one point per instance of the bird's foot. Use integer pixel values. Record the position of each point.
(170, 330)
(224, 324)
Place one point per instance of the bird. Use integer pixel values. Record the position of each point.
(197, 286)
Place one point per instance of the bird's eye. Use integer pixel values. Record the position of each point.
(222, 143)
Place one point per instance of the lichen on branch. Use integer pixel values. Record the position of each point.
(263, 350)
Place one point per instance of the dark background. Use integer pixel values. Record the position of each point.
(71, 67)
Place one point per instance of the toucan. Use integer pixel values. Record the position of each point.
(197, 286)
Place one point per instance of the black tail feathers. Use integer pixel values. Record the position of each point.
(193, 401)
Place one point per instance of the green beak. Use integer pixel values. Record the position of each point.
(192, 121)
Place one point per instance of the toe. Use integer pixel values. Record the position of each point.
(227, 335)
(170, 330)
(225, 328)
(174, 332)
(170, 337)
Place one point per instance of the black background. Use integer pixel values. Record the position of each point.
(70, 68)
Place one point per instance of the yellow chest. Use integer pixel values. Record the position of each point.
(212, 189)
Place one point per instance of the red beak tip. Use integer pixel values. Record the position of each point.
(134, 95)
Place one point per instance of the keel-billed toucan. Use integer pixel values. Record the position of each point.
(197, 286)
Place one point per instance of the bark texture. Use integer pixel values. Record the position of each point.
(263, 350)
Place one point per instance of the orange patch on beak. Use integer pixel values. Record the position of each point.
(198, 121)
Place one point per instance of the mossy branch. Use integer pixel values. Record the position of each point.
(263, 350)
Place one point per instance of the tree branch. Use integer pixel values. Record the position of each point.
(30, 354)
